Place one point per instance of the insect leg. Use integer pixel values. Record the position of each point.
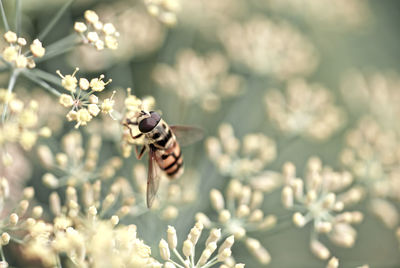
(139, 155)
(130, 122)
(130, 131)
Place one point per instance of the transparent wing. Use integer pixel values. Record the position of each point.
(187, 134)
(153, 180)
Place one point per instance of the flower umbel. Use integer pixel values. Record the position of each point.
(318, 199)
(371, 155)
(22, 125)
(189, 246)
(84, 104)
(97, 33)
(75, 166)
(238, 214)
(240, 159)
(305, 109)
(164, 10)
(202, 79)
(13, 52)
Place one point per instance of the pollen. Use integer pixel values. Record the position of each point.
(80, 27)
(108, 104)
(91, 16)
(37, 49)
(97, 84)
(10, 37)
(93, 109)
(14, 52)
(66, 100)
(97, 33)
(84, 105)
(82, 117)
(69, 82)
(10, 54)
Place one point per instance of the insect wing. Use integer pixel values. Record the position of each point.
(153, 180)
(187, 134)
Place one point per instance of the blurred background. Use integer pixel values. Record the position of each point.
(304, 73)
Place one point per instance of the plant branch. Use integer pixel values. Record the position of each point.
(11, 84)
(41, 83)
(3, 16)
(54, 20)
(18, 11)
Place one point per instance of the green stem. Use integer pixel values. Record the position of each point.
(3, 258)
(11, 84)
(192, 258)
(60, 47)
(178, 255)
(18, 12)
(3, 15)
(58, 262)
(176, 264)
(211, 262)
(16, 240)
(47, 76)
(41, 83)
(54, 20)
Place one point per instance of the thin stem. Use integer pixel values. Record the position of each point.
(11, 84)
(176, 264)
(16, 240)
(3, 15)
(59, 47)
(54, 20)
(58, 261)
(18, 11)
(178, 255)
(192, 257)
(41, 83)
(47, 76)
(211, 262)
(3, 258)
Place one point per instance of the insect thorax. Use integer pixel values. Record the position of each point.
(161, 136)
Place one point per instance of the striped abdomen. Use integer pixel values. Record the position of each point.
(170, 160)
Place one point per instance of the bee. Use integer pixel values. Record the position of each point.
(163, 144)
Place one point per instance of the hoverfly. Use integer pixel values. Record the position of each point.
(163, 143)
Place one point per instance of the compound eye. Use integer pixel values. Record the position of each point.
(155, 116)
(147, 124)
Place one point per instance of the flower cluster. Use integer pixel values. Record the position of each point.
(375, 93)
(140, 35)
(74, 166)
(17, 225)
(82, 101)
(240, 159)
(239, 214)
(164, 10)
(97, 33)
(344, 13)
(271, 48)
(320, 199)
(189, 247)
(13, 52)
(94, 201)
(204, 79)
(208, 17)
(306, 110)
(20, 124)
(372, 155)
(96, 243)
